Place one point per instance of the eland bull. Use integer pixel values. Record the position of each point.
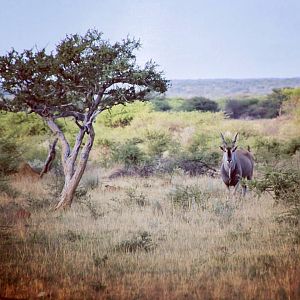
(236, 164)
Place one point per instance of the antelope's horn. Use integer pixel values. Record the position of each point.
(234, 140)
(222, 136)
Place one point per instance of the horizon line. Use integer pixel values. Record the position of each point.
(236, 78)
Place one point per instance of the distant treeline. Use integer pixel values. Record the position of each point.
(269, 106)
(217, 88)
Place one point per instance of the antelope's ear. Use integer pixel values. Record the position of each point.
(222, 148)
(234, 148)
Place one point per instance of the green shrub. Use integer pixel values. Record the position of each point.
(176, 103)
(199, 104)
(106, 147)
(202, 149)
(122, 115)
(161, 105)
(9, 156)
(252, 108)
(267, 150)
(157, 142)
(22, 125)
(292, 146)
(210, 157)
(128, 153)
(199, 142)
(282, 183)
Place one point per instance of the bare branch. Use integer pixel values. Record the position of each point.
(79, 125)
(85, 153)
(50, 158)
(65, 145)
(74, 153)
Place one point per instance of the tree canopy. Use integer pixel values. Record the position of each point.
(67, 81)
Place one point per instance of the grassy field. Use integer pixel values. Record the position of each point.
(167, 236)
(153, 238)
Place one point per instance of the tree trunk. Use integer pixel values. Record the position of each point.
(73, 174)
(67, 194)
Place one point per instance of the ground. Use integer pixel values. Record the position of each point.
(163, 237)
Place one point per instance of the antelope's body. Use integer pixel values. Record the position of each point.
(236, 164)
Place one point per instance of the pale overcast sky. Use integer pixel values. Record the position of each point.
(189, 39)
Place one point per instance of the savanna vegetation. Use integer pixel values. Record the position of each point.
(239, 107)
(151, 218)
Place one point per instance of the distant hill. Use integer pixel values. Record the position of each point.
(219, 88)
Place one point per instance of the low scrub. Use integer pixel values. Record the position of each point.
(141, 242)
(284, 186)
(9, 156)
(252, 108)
(270, 150)
(188, 197)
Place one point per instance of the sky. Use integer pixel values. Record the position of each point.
(188, 39)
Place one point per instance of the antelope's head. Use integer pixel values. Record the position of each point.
(229, 158)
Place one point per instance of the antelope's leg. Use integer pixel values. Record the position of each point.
(244, 190)
(228, 191)
(236, 188)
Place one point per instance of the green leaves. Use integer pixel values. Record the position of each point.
(70, 79)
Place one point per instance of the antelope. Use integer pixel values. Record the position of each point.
(236, 164)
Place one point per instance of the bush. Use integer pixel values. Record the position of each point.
(282, 183)
(202, 149)
(157, 142)
(292, 146)
(161, 105)
(201, 165)
(128, 153)
(267, 150)
(105, 151)
(199, 104)
(22, 124)
(238, 108)
(270, 150)
(122, 115)
(292, 104)
(9, 156)
(252, 108)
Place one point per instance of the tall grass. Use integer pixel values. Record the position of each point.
(141, 245)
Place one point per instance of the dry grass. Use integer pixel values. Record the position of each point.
(132, 242)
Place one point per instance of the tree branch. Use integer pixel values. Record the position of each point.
(78, 116)
(65, 145)
(74, 153)
(85, 153)
(50, 159)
